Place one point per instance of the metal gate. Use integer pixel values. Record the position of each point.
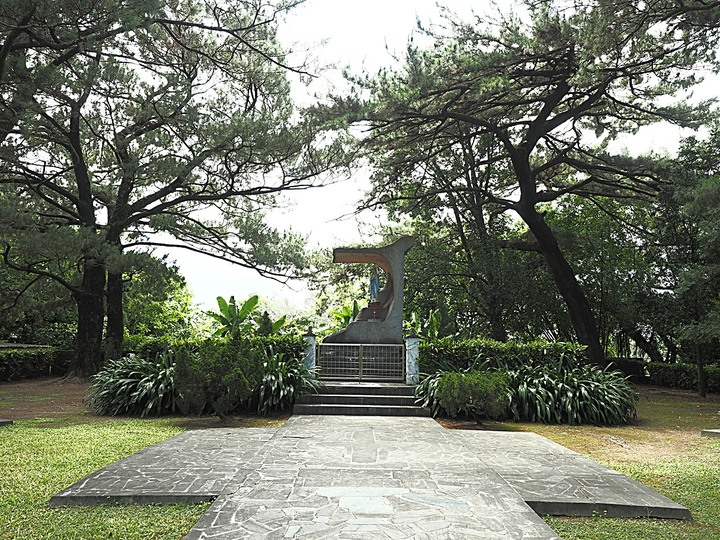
(357, 362)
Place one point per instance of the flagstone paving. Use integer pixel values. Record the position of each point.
(369, 477)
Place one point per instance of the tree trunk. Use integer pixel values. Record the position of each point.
(581, 314)
(91, 314)
(702, 374)
(496, 317)
(115, 318)
(648, 348)
(672, 350)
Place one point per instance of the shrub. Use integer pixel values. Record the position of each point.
(579, 395)
(683, 375)
(632, 367)
(473, 393)
(135, 386)
(25, 363)
(451, 354)
(284, 378)
(287, 345)
(149, 346)
(60, 335)
(218, 375)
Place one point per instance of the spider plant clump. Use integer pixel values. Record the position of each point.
(584, 394)
(284, 378)
(134, 386)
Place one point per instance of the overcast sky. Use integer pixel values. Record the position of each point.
(359, 35)
(362, 35)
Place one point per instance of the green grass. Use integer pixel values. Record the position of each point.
(41, 457)
(694, 483)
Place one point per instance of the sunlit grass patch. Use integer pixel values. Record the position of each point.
(39, 461)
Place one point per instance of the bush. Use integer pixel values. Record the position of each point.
(135, 386)
(683, 375)
(473, 393)
(28, 362)
(60, 335)
(451, 354)
(149, 346)
(632, 367)
(580, 395)
(284, 378)
(290, 346)
(218, 375)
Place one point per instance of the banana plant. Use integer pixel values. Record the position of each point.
(234, 321)
(428, 328)
(345, 314)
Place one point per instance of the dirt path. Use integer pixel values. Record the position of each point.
(58, 398)
(47, 397)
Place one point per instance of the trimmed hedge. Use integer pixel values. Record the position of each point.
(289, 346)
(474, 393)
(683, 375)
(28, 362)
(149, 346)
(451, 354)
(221, 375)
(632, 367)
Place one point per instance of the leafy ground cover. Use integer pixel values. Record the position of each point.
(55, 441)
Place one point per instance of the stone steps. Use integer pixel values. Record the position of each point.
(361, 399)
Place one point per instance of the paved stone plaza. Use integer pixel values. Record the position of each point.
(369, 477)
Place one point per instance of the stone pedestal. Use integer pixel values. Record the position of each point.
(309, 350)
(412, 356)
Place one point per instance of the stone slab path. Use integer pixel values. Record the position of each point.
(369, 477)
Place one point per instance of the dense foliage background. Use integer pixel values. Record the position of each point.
(496, 145)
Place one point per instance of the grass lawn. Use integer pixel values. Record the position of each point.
(55, 442)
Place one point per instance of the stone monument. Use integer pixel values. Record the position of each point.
(381, 321)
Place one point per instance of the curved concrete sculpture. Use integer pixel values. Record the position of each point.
(381, 321)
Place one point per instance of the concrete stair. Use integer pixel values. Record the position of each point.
(361, 399)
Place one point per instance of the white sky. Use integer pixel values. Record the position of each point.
(361, 35)
(342, 33)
